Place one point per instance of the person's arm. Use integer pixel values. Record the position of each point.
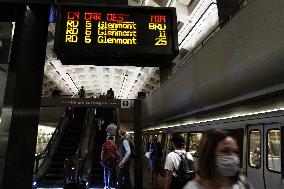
(128, 151)
(117, 153)
(169, 167)
(168, 179)
(148, 147)
(102, 154)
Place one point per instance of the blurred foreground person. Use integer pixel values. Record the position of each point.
(219, 163)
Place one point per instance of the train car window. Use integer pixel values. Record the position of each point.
(185, 136)
(169, 137)
(273, 150)
(194, 142)
(254, 149)
(159, 137)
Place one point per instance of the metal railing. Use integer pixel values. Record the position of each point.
(46, 153)
(76, 168)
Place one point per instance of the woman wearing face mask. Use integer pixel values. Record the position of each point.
(219, 163)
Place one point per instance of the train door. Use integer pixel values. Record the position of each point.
(255, 156)
(264, 156)
(272, 158)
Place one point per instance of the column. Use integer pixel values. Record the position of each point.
(138, 162)
(20, 114)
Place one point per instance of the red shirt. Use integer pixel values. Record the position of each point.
(109, 148)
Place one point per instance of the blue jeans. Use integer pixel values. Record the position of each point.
(109, 173)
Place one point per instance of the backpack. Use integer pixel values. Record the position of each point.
(185, 171)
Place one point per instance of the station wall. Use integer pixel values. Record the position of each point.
(244, 59)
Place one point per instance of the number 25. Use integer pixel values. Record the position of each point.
(161, 41)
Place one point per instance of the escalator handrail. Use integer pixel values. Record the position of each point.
(77, 159)
(89, 156)
(85, 162)
(48, 151)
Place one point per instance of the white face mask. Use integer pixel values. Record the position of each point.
(228, 166)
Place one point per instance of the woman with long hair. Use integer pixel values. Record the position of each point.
(218, 163)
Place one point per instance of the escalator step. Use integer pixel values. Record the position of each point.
(55, 170)
(54, 175)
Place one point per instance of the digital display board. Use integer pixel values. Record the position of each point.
(123, 33)
(57, 2)
(93, 2)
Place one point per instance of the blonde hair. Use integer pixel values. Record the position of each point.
(122, 132)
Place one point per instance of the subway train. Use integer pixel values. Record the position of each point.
(259, 139)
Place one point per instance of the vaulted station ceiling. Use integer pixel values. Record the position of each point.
(196, 18)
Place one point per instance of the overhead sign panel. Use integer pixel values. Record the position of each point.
(79, 102)
(97, 2)
(82, 2)
(125, 33)
(28, 1)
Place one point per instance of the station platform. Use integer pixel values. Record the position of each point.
(146, 178)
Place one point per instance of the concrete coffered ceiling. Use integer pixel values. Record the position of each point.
(196, 18)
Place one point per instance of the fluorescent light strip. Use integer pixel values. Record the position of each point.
(122, 86)
(216, 119)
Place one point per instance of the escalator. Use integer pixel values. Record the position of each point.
(90, 172)
(72, 159)
(97, 171)
(66, 146)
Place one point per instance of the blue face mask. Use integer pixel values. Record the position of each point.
(228, 166)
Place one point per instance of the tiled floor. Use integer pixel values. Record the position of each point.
(147, 179)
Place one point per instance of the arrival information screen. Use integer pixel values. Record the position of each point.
(116, 30)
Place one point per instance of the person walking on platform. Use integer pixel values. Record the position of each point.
(109, 157)
(111, 129)
(219, 163)
(155, 150)
(125, 151)
(174, 160)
